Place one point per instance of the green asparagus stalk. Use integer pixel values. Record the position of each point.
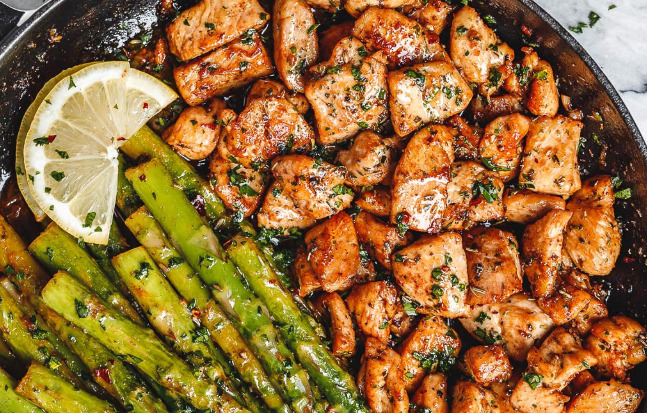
(127, 199)
(336, 384)
(102, 255)
(170, 317)
(131, 342)
(203, 251)
(10, 401)
(55, 395)
(58, 251)
(189, 285)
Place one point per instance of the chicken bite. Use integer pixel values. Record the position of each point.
(529, 396)
(305, 276)
(433, 272)
(368, 161)
(433, 15)
(526, 206)
(487, 364)
(468, 397)
(278, 212)
(606, 396)
(376, 201)
(467, 139)
(379, 239)
(431, 396)
(356, 7)
(342, 331)
(266, 88)
(380, 379)
(196, 133)
(240, 188)
(211, 24)
(373, 306)
(501, 146)
(543, 97)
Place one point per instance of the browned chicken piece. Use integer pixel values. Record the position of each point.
(234, 65)
(619, 343)
(476, 49)
(196, 133)
(559, 359)
(279, 212)
(356, 7)
(593, 237)
(431, 396)
(333, 252)
(549, 163)
(433, 15)
(266, 88)
(316, 187)
(349, 98)
(304, 274)
(606, 396)
(530, 397)
(401, 39)
(433, 272)
(376, 201)
(486, 110)
(329, 38)
(580, 382)
(543, 98)
(542, 251)
(526, 206)
(368, 160)
(432, 347)
(296, 46)
(373, 306)
(487, 364)
(501, 146)
(264, 129)
(426, 92)
(493, 265)
(466, 142)
(240, 188)
(342, 331)
(380, 379)
(404, 321)
(565, 303)
(330, 5)
(516, 323)
(459, 193)
(584, 320)
(469, 397)
(419, 189)
(348, 50)
(379, 239)
(211, 24)
(487, 198)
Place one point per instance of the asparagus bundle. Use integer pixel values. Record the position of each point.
(204, 253)
(149, 233)
(133, 343)
(56, 395)
(58, 251)
(336, 384)
(10, 401)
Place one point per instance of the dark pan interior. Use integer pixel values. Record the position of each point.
(93, 29)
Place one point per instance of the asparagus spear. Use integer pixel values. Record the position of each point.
(131, 342)
(58, 251)
(149, 233)
(55, 395)
(12, 401)
(102, 255)
(336, 384)
(204, 253)
(127, 199)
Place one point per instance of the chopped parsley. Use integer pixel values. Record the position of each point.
(533, 379)
(81, 309)
(488, 190)
(418, 77)
(493, 167)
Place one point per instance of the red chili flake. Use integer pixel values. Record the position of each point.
(51, 138)
(272, 281)
(445, 268)
(476, 201)
(198, 204)
(145, 105)
(526, 30)
(628, 260)
(103, 374)
(211, 126)
(142, 177)
(196, 313)
(121, 138)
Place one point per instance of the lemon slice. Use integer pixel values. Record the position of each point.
(70, 151)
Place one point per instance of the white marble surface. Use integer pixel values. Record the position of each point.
(617, 42)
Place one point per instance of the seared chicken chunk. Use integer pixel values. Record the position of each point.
(373, 306)
(419, 189)
(239, 188)
(549, 163)
(404, 321)
(401, 39)
(542, 251)
(196, 133)
(231, 66)
(368, 161)
(486, 110)
(432, 347)
(431, 396)
(468, 397)
(356, 7)
(316, 187)
(378, 238)
(592, 237)
(433, 15)
(279, 212)
(475, 48)
(463, 175)
(380, 379)
(304, 274)
(530, 397)
(266, 88)
(543, 97)
(211, 24)
(501, 146)
(433, 272)
(565, 303)
(487, 364)
(264, 129)
(333, 252)
(493, 265)
(329, 38)
(517, 324)
(526, 206)
(487, 198)
(606, 396)
(619, 343)
(376, 201)
(341, 324)
(295, 41)
(559, 359)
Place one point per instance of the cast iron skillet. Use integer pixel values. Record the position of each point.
(92, 29)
